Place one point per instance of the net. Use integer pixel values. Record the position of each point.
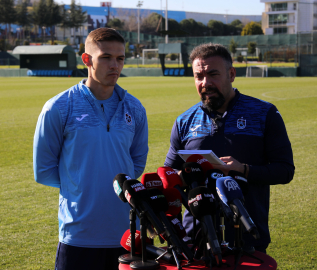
(256, 71)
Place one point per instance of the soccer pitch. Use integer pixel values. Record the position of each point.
(28, 212)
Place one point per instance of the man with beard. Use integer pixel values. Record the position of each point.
(248, 134)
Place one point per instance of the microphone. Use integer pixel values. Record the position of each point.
(171, 179)
(241, 180)
(117, 183)
(230, 193)
(138, 197)
(174, 200)
(212, 176)
(160, 206)
(151, 250)
(202, 206)
(192, 174)
(152, 180)
(178, 226)
(202, 161)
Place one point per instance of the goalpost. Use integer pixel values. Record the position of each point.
(257, 71)
(144, 51)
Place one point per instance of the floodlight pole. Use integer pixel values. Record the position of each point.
(166, 24)
(140, 3)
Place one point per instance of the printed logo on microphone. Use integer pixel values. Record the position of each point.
(157, 197)
(189, 169)
(128, 242)
(154, 183)
(200, 161)
(127, 196)
(240, 178)
(210, 196)
(219, 193)
(128, 177)
(128, 118)
(230, 184)
(195, 200)
(176, 222)
(216, 175)
(170, 172)
(176, 203)
(117, 188)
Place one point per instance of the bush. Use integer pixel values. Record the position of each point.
(26, 42)
(240, 58)
(81, 48)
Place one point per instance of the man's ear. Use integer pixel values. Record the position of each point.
(232, 74)
(86, 59)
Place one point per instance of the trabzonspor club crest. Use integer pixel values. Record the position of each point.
(241, 123)
(128, 118)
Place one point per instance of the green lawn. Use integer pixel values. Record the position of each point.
(28, 212)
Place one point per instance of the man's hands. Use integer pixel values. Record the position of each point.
(231, 164)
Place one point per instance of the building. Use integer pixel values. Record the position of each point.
(289, 16)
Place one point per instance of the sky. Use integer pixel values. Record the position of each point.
(234, 7)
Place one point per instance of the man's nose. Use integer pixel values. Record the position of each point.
(114, 64)
(205, 82)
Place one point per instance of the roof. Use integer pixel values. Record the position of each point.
(44, 49)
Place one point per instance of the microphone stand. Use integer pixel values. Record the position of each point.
(130, 257)
(144, 264)
(237, 249)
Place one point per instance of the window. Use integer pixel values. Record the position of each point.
(278, 19)
(280, 30)
(294, 6)
(279, 7)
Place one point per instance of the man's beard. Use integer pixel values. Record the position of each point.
(212, 103)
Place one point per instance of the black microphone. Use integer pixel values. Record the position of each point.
(160, 205)
(137, 196)
(192, 174)
(212, 176)
(202, 206)
(117, 183)
(230, 193)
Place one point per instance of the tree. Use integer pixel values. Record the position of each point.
(251, 47)
(233, 46)
(53, 17)
(193, 28)
(152, 24)
(216, 27)
(23, 17)
(7, 16)
(116, 24)
(39, 14)
(77, 17)
(64, 24)
(252, 28)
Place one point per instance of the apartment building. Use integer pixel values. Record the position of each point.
(289, 16)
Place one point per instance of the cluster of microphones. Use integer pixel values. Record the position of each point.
(157, 201)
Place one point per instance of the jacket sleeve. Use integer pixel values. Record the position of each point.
(47, 145)
(139, 148)
(280, 168)
(173, 160)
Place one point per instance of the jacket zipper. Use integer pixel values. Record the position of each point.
(103, 109)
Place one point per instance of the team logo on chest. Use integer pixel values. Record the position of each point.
(128, 118)
(241, 123)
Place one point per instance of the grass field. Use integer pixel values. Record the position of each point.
(28, 212)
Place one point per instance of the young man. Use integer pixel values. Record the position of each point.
(248, 134)
(84, 137)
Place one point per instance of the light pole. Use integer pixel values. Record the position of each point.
(43, 29)
(166, 24)
(140, 3)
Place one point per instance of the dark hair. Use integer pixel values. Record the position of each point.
(207, 50)
(104, 34)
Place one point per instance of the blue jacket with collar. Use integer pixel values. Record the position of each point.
(76, 150)
(253, 132)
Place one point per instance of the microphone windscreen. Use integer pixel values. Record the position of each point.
(169, 177)
(117, 183)
(192, 172)
(201, 202)
(126, 241)
(174, 199)
(202, 161)
(152, 180)
(158, 201)
(241, 180)
(134, 192)
(228, 189)
(212, 176)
